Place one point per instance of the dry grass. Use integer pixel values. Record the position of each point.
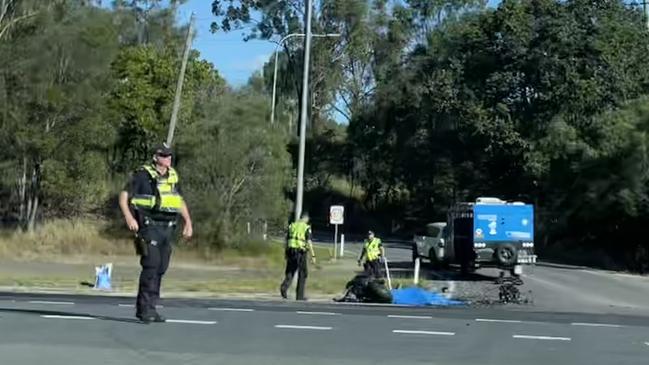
(63, 253)
(64, 239)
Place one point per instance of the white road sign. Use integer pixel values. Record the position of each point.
(336, 214)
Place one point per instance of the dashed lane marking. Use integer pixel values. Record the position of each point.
(289, 326)
(435, 333)
(497, 320)
(544, 338)
(187, 321)
(595, 325)
(231, 309)
(52, 316)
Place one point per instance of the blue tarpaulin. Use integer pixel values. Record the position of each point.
(420, 297)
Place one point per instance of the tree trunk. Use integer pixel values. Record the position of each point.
(33, 199)
(22, 191)
(32, 218)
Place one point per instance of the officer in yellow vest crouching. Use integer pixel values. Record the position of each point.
(298, 245)
(151, 203)
(373, 252)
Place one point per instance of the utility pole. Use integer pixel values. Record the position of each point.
(181, 79)
(305, 103)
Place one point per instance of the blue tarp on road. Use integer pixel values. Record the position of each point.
(421, 297)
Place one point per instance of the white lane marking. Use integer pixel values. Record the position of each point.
(231, 309)
(319, 313)
(595, 325)
(410, 332)
(646, 343)
(288, 326)
(49, 302)
(52, 316)
(189, 321)
(547, 338)
(497, 320)
(408, 317)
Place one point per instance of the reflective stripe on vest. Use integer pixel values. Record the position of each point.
(372, 249)
(297, 235)
(170, 201)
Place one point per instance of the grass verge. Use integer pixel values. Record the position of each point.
(63, 253)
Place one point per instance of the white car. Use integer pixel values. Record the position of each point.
(430, 243)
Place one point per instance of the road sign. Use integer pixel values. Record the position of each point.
(336, 214)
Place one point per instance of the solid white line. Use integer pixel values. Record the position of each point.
(409, 317)
(48, 302)
(190, 321)
(409, 332)
(595, 325)
(65, 317)
(231, 309)
(548, 338)
(319, 313)
(646, 343)
(126, 305)
(498, 320)
(288, 326)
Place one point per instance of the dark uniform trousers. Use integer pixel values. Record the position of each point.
(157, 239)
(373, 268)
(296, 260)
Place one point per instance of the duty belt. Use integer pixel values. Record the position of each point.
(151, 222)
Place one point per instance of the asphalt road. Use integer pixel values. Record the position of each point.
(83, 330)
(547, 287)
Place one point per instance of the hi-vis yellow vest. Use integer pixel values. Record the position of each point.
(372, 250)
(297, 235)
(166, 199)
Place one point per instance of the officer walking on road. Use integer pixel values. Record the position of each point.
(373, 252)
(298, 242)
(151, 203)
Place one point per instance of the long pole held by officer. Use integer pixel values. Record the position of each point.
(298, 243)
(151, 203)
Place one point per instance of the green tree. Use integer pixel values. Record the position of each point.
(235, 168)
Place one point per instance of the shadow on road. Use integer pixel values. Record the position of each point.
(60, 313)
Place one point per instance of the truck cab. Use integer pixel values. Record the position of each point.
(491, 233)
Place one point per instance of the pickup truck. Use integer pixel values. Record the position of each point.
(487, 233)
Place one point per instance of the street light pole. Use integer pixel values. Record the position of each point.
(279, 44)
(179, 85)
(305, 100)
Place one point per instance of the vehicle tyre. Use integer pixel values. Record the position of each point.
(434, 261)
(506, 255)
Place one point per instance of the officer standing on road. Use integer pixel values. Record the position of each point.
(151, 203)
(298, 242)
(374, 253)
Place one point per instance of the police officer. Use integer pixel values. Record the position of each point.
(373, 252)
(151, 203)
(298, 242)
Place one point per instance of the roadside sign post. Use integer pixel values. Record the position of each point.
(336, 217)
